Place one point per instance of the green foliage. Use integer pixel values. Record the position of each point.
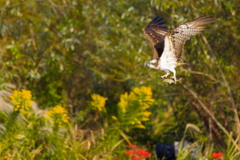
(232, 151)
(64, 51)
(38, 134)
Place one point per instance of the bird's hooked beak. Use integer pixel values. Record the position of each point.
(147, 65)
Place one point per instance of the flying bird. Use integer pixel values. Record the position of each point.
(168, 46)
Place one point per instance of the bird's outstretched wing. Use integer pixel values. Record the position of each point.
(179, 35)
(155, 33)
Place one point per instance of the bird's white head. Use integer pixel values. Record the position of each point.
(152, 64)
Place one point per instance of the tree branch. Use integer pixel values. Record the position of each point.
(234, 108)
(201, 73)
(205, 108)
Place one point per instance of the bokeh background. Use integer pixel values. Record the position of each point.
(63, 51)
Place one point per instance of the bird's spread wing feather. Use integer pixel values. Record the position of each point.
(155, 33)
(182, 33)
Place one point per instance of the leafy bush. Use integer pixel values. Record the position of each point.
(67, 51)
(32, 133)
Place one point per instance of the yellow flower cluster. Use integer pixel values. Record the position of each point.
(124, 100)
(134, 105)
(22, 100)
(98, 102)
(58, 115)
(144, 95)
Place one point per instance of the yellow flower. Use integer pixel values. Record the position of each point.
(147, 91)
(143, 90)
(22, 100)
(58, 115)
(98, 102)
(133, 106)
(146, 113)
(123, 104)
(138, 122)
(141, 126)
(114, 117)
(145, 119)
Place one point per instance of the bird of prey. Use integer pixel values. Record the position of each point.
(168, 46)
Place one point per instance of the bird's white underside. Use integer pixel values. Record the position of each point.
(167, 60)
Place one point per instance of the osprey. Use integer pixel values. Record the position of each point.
(168, 45)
